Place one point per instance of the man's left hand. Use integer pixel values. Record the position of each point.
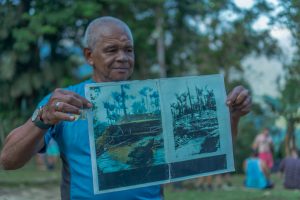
(239, 102)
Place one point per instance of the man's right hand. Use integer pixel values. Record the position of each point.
(61, 105)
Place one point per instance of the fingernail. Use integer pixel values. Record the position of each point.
(89, 105)
(72, 117)
(228, 102)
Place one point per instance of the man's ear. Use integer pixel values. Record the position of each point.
(88, 56)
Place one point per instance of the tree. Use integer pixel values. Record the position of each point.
(25, 74)
(180, 37)
(287, 105)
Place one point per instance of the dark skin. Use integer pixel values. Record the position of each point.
(112, 58)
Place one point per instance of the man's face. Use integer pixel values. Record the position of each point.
(113, 55)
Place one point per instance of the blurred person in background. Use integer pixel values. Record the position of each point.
(290, 168)
(223, 181)
(40, 161)
(257, 172)
(52, 154)
(263, 143)
(205, 183)
(48, 160)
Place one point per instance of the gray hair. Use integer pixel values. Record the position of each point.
(92, 31)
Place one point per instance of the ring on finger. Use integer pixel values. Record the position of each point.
(57, 105)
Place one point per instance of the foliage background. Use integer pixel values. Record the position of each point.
(40, 42)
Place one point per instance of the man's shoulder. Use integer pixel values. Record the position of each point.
(79, 87)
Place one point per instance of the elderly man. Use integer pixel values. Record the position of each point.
(109, 49)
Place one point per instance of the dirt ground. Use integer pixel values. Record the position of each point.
(30, 193)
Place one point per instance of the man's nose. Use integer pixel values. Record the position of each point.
(122, 56)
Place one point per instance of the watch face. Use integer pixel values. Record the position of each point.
(35, 114)
(37, 121)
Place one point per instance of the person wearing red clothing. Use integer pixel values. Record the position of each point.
(263, 143)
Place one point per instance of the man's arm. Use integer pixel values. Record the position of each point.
(23, 142)
(234, 127)
(239, 103)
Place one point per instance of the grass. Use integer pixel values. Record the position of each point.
(236, 192)
(29, 177)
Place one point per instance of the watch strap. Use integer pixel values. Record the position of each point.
(42, 125)
(36, 119)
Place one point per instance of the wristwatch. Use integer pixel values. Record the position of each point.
(36, 119)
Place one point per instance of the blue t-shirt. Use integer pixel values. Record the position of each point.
(77, 181)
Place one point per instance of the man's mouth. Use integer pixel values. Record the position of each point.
(121, 69)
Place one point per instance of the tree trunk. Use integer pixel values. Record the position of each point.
(290, 137)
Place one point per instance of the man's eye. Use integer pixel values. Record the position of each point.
(130, 50)
(111, 50)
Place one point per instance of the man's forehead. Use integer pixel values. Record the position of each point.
(122, 36)
(112, 30)
(123, 40)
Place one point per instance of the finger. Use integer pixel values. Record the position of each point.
(70, 97)
(53, 117)
(244, 94)
(46, 118)
(76, 100)
(66, 108)
(60, 116)
(85, 102)
(231, 98)
(243, 104)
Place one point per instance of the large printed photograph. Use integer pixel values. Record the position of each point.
(149, 132)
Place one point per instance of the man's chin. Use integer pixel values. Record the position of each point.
(120, 77)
